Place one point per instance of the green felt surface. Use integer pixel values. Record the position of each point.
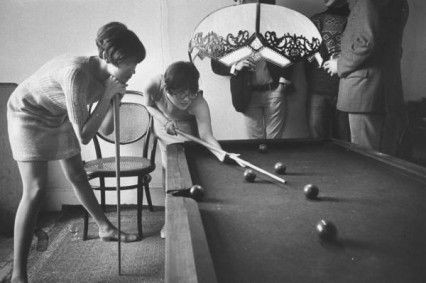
(265, 231)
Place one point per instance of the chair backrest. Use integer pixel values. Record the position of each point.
(135, 123)
(134, 120)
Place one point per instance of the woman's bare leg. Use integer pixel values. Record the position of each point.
(74, 171)
(34, 179)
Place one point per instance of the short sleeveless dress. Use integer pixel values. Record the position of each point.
(41, 109)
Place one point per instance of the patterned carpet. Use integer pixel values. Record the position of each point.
(69, 259)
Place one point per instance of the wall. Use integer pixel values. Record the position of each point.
(37, 30)
(414, 61)
(10, 179)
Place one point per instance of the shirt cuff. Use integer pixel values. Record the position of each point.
(284, 81)
(233, 71)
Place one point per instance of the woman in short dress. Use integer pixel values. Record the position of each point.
(48, 118)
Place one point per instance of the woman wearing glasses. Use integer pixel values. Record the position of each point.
(175, 102)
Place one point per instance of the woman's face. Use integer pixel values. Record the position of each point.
(182, 99)
(124, 71)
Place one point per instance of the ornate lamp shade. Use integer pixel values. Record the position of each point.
(274, 33)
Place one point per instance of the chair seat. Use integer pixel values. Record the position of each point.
(129, 166)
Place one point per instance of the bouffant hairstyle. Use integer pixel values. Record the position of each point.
(117, 43)
(181, 76)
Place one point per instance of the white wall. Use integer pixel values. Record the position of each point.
(414, 60)
(33, 31)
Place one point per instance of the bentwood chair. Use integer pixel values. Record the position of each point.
(136, 125)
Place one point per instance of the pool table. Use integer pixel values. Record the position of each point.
(265, 231)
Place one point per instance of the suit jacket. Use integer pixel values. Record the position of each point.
(240, 85)
(371, 50)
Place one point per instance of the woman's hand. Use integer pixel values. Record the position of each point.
(171, 128)
(228, 158)
(113, 87)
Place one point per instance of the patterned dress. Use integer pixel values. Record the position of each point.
(41, 110)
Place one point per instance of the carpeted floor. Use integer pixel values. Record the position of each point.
(69, 259)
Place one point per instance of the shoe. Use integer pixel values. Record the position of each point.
(113, 236)
(163, 232)
(42, 240)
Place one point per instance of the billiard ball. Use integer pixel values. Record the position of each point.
(280, 168)
(196, 192)
(311, 191)
(326, 230)
(263, 148)
(249, 175)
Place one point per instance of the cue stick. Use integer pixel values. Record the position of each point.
(116, 104)
(239, 161)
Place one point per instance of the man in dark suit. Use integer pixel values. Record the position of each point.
(370, 70)
(258, 91)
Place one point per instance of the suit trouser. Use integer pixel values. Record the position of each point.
(381, 132)
(394, 130)
(265, 115)
(367, 129)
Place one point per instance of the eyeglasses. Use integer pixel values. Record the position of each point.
(186, 94)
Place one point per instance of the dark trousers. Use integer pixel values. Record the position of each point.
(324, 120)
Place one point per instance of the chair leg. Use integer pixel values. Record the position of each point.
(148, 193)
(139, 212)
(86, 224)
(103, 206)
(148, 197)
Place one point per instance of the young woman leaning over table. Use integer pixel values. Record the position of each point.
(175, 102)
(48, 118)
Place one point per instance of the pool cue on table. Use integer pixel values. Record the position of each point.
(239, 161)
(116, 104)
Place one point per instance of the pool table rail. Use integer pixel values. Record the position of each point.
(188, 258)
(177, 174)
(403, 165)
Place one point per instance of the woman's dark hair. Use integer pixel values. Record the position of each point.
(117, 43)
(181, 76)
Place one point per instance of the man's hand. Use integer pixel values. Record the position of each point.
(331, 66)
(247, 63)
